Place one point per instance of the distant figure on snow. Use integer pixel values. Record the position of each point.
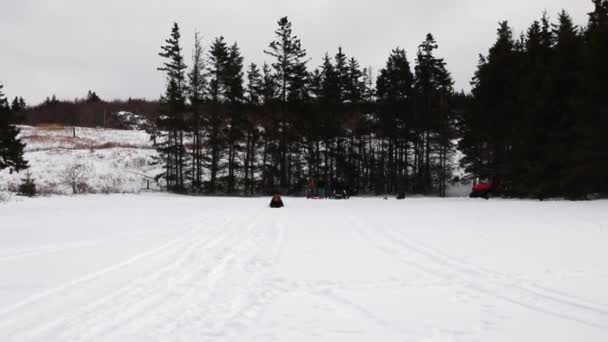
(276, 202)
(401, 196)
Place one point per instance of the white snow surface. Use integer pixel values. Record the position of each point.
(158, 267)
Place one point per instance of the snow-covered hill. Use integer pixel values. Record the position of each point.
(114, 160)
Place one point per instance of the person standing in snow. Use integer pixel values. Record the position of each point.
(323, 187)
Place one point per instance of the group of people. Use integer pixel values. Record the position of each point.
(326, 189)
(318, 189)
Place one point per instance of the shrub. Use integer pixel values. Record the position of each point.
(27, 186)
(49, 188)
(5, 196)
(75, 176)
(111, 184)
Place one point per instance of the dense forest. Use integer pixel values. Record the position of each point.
(288, 125)
(534, 123)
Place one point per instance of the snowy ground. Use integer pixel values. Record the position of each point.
(157, 267)
(117, 161)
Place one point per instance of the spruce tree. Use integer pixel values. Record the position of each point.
(354, 87)
(495, 89)
(171, 124)
(289, 67)
(562, 152)
(254, 85)
(11, 146)
(217, 64)
(394, 91)
(234, 94)
(196, 94)
(253, 98)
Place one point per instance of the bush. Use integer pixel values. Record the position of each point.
(75, 176)
(5, 196)
(27, 186)
(111, 184)
(49, 188)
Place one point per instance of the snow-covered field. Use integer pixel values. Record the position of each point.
(157, 267)
(116, 161)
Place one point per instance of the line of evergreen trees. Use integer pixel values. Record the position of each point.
(537, 118)
(287, 125)
(534, 122)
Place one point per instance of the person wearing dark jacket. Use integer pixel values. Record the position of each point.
(276, 202)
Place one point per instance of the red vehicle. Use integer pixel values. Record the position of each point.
(483, 190)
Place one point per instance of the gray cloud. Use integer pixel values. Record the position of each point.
(69, 46)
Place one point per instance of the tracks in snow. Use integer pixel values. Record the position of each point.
(481, 280)
(212, 282)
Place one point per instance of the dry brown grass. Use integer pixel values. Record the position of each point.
(50, 126)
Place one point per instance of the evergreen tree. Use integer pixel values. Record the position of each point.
(433, 88)
(562, 150)
(394, 91)
(495, 89)
(289, 67)
(254, 97)
(28, 185)
(341, 68)
(171, 125)
(216, 138)
(15, 105)
(18, 107)
(92, 97)
(196, 93)
(354, 85)
(11, 147)
(235, 94)
(254, 85)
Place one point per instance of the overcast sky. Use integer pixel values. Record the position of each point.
(66, 47)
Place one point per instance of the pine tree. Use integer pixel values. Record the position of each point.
(196, 93)
(341, 68)
(216, 138)
(234, 94)
(15, 106)
(28, 185)
(92, 97)
(11, 147)
(562, 152)
(254, 97)
(354, 87)
(18, 107)
(289, 67)
(495, 89)
(254, 85)
(171, 125)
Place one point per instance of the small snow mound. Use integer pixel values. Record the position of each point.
(132, 121)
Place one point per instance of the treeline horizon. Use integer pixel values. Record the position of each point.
(533, 122)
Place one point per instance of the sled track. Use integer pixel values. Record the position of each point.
(481, 280)
(29, 252)
(10, 314)
(200, 290)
